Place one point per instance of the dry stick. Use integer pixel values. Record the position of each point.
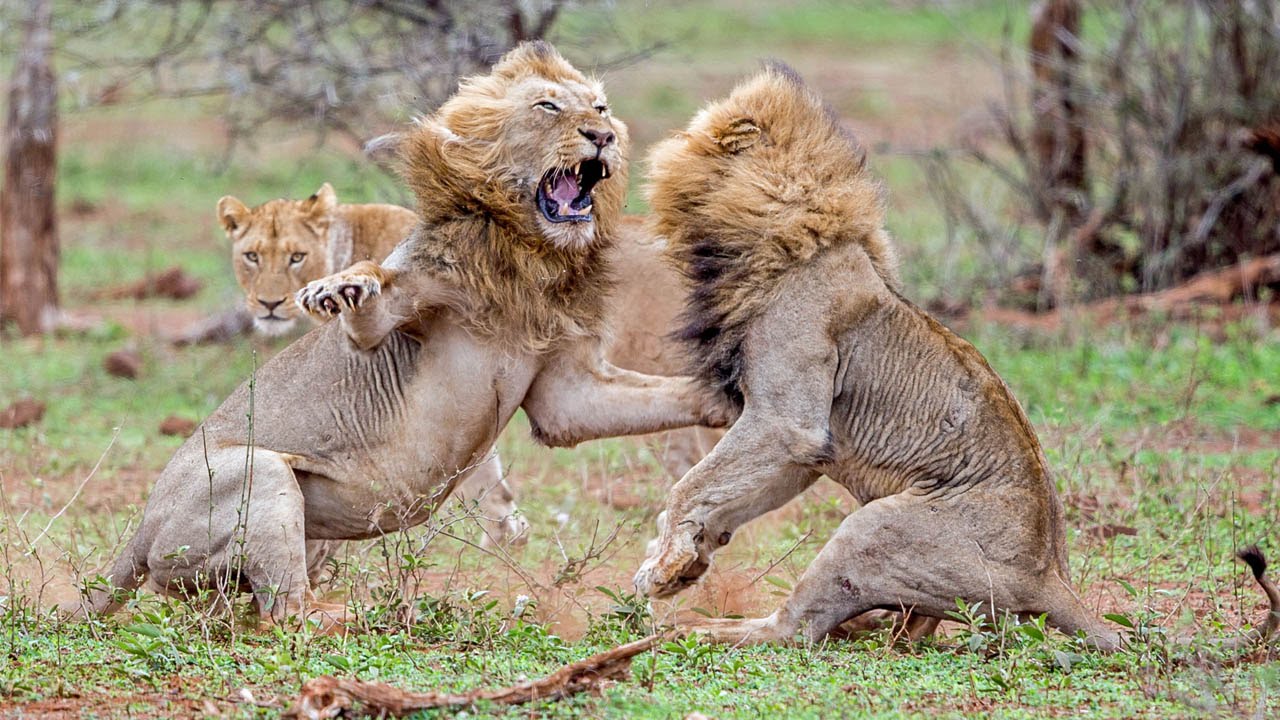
(32, 548)
(327, 697)
(780, 560)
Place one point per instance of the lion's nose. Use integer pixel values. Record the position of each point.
(601, 138)
(270, 305)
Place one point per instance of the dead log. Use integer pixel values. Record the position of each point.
(177, 426)
(223, 327)
(125, 364)
(1265, 140)
(1216, 286)
(1213, 288)
(173, 284)
(28, 221)
(328, 697)
(21, 413)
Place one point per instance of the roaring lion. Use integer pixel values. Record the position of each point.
(281, 245)
(796, 320)
(495, 303)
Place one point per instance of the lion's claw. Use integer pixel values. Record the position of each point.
(351, 294)
(325, 298)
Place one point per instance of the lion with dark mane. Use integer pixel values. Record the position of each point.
(495, 303)
(796, 320)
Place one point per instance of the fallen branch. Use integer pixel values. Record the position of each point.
(174, 284)
(327, 697)
(1219, 287)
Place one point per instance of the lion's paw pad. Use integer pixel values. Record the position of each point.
(327, 296)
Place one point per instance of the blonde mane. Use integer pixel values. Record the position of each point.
(477, 229)
(759, 184)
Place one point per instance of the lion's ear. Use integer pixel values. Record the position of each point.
(322, 203)
(318, 209)
(737, 135)
(232, 214)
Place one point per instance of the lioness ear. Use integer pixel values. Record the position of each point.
(318, 209)
(232, 214)
(737, 135)
(322, 204)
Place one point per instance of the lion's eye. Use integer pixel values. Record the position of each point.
(251, 257)
(296, 258)
(548, 106)
(603, 110)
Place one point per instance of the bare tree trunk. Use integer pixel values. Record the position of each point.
(28, 222)
(1057, 132)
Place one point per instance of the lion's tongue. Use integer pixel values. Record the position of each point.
(564, 190)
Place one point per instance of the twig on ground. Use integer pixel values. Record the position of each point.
(780, 560)
(32, 548)
(327, 697)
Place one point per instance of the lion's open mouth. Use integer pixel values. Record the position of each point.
(565, 195)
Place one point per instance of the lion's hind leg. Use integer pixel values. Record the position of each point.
(903, 552)
(278, 561)
(237, 525)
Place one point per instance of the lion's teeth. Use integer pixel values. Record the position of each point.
(577, 169)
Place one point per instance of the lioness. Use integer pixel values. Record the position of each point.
(495, 303)
(797, 321)
(281, 245)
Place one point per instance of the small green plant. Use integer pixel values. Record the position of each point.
(693, 653)
(627, 617)
(155, 640)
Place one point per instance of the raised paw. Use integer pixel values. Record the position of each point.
(327, 297)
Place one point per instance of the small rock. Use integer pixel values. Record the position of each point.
(21, 413)
(123, 364)
(179, 426)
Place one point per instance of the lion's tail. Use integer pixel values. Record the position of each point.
(1257, 562)
(126, 574)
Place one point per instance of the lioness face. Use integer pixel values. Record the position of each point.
(276, 249)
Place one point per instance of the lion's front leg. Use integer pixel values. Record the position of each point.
(365, 297)
(579, 397)
(755, 468)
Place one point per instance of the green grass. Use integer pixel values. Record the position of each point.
(1189, 509)
(816, 682)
